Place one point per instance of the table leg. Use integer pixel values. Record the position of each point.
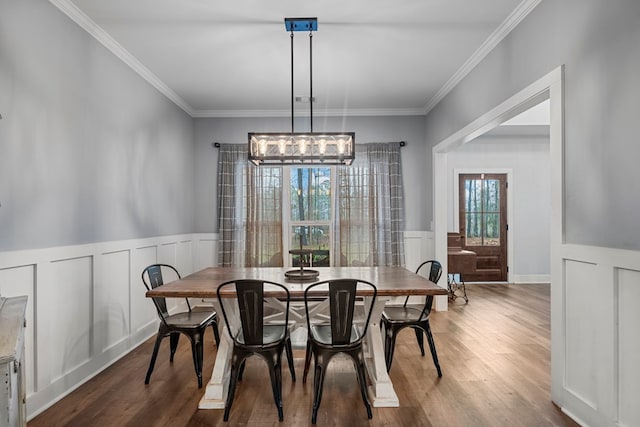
(381, 390)
(215, 394)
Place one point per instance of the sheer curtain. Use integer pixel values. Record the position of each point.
(249, 210)
(370, 208)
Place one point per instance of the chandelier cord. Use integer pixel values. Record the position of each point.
(311, 80)
(292, 80)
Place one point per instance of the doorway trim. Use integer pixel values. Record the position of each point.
(549, 86)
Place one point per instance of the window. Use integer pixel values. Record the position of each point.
(310, 219)
(482, 212)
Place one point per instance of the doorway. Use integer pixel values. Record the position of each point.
(482, 210)
(550, 87)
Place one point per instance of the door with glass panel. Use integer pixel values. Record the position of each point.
(309, 222)
(483, 224)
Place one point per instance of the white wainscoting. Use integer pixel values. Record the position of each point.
(599, 335)
(86, 306)
(87, 309)
(418, 247)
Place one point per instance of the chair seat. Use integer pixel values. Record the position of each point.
(322, 334)
(272, 334)
(191, 319)
(401, 314)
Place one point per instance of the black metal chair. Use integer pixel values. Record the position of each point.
(191, 323)
(255, 331)
(416, 316)
(339, 332)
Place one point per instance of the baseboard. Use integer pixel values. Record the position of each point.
(523, 279)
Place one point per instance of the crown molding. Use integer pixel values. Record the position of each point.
(317, 113)
(72, 11)
(91, 27)
(86, 23)
(512, 21)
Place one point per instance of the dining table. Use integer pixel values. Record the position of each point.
(391, 282)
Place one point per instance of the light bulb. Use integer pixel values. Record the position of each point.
(282, 145)
(322, 145)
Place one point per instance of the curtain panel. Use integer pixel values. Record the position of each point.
(231, 226)
(371, 207)
(249, 210)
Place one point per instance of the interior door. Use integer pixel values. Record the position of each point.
(483, 224)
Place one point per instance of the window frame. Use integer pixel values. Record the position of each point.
(288, 223)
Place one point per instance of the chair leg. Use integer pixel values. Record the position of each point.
(318, 383)
(289, 351)
(432, 347)
(362, 380)
(275, 372)
(216, 334)
(307, 362)
(154, 355)
(173, 340)
(389, 346)
(420, 339)
(241, 370)
(197, 352)
(233, 381)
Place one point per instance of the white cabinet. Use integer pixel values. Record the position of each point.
(12, 384)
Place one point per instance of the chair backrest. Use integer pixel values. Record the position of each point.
(435, 271)
(250, 298)
(342, 295)
(152, 278)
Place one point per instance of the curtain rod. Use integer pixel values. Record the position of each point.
(217, 144)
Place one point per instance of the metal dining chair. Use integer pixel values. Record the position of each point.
(342, 331)
(191, 323)
(416, 316)
(255, 331)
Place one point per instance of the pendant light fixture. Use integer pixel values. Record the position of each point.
(311, 148)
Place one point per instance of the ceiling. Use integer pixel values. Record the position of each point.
(232, 58)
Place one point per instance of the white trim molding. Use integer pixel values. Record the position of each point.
(489, 44)
(91, 27)
(98, 33)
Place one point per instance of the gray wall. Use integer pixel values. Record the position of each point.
(599, 44)
(89, 151)
(416, 172)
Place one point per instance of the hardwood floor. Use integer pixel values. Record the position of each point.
(494, 354)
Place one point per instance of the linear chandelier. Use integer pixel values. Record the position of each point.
(313, 148)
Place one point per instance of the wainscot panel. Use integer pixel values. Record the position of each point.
(599, 326)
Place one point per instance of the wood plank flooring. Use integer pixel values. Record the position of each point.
(494, 353)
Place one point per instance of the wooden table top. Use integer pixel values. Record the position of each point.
(390, 281)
